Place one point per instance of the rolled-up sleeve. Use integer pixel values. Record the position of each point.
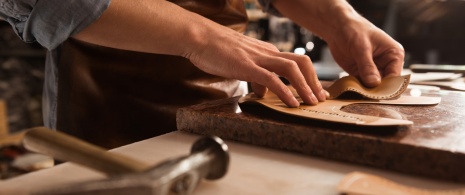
(268, 7)
(50, 22)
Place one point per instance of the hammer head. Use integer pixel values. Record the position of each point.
(209, 159)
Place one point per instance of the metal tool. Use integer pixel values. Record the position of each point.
(209, 159)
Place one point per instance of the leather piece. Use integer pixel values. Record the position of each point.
(365, 183)
(390, 88)
(330, 110)
(112, 97)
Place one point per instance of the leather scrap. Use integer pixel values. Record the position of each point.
(390, 87)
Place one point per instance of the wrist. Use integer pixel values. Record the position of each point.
(198, 36)
(337, 19)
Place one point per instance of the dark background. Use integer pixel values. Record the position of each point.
(21, 79)
(431, 31)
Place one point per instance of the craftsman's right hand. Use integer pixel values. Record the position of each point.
(159, 26)
(230, 54)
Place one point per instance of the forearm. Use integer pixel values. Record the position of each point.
(158, 26)
(325, 18)
(152, 26)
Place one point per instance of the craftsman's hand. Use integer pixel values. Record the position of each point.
(159, 26)
(366, 52)
(359, 47)
(230, 54)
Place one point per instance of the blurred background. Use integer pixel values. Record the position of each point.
(21, 79)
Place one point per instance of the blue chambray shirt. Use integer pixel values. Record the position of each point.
(50, 23)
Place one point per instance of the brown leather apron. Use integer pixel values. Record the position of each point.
(112, 97)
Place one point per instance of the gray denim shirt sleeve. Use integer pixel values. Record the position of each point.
(50, 22)
(268, 7)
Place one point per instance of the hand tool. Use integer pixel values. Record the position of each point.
(209, 159)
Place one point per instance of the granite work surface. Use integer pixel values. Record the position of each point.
(434, 146)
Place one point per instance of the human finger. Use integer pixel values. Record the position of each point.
(273, 83)
(291, 71)
(258, 89)
(308, 72)
(393, 62)
(368, 71)
(389, 67)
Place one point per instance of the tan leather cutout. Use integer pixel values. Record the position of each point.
(368, 184)
(330, 110)
(390, 88)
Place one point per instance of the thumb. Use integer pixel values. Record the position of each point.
(367, 69)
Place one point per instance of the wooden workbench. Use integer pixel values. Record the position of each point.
(253, 170)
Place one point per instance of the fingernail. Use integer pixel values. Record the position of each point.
(322, 95)
(314, 99)
(294, 103)
(372, 80)
(326, 93)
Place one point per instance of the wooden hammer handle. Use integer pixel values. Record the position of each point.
(67, 148)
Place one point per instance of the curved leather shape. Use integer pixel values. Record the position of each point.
(390, 88)
(112, 97)
(330, 110)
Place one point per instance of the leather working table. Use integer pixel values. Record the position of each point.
(253, 170)
(434, 146)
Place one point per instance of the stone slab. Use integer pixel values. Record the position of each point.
(434, 146)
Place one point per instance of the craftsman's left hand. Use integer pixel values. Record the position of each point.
(366, 52)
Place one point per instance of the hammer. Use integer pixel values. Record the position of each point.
(208, 159)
